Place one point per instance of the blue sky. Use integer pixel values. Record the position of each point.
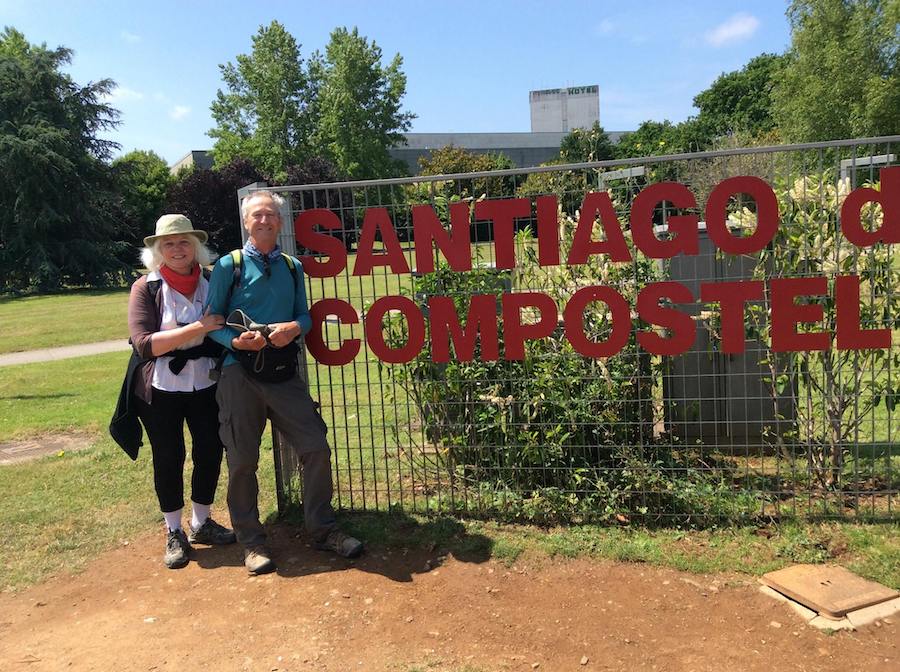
(469, 65)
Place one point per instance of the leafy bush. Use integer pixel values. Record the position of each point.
(450, 160)
(555, 436)
(839, 391)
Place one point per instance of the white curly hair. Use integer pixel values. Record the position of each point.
(152, 258)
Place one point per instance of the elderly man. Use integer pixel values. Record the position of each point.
(268, 287)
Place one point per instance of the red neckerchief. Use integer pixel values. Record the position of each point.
(184, 284)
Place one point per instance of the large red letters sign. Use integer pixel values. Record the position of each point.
(533, 315)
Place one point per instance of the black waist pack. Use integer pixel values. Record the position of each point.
(271, 364)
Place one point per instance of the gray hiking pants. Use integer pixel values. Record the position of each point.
(244, 406)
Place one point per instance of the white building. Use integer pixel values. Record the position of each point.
(562, 110)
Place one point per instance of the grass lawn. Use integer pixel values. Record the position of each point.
(60, 511)
(33, 322)
(67, 394)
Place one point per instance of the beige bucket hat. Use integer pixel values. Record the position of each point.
(169, 225)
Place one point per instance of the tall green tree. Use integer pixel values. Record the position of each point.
(142, 179)
(208, 199)
(359, 104)
(740, 100)
(278, 110)
(587, 144)
(267, 112)
(842, 76)
(57, 220)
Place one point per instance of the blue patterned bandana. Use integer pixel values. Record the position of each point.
(251, 251)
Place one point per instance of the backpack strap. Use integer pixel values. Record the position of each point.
(237, 262)
(153, 287)
(289, 260)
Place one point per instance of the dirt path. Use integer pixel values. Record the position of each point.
(411, 611)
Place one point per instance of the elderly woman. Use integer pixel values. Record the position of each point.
(172, 383)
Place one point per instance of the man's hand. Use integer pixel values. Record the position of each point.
(283, 333)
(249, 340)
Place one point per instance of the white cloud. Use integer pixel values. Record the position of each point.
(605, 27)
(131, 38)
(122, 94)
(179, 112)
(736, 29)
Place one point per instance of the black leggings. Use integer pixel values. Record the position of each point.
(164, 421)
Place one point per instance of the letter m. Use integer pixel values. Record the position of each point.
(482, 319)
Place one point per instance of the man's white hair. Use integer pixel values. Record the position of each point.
(152, 258)
(277, 199)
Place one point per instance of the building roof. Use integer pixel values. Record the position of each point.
(487, 141)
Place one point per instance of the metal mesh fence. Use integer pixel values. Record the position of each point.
(552, 434)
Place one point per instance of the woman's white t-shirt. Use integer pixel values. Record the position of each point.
(178, 310)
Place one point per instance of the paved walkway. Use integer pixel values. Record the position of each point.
(50, 354)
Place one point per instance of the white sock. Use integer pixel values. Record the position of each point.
(199, 514)
(173, 519)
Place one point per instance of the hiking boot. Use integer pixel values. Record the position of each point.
(342, 544)
(213, 534)
(258, 560)
(178, 549)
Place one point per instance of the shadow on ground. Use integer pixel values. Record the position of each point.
(31, 397)
(398, 546)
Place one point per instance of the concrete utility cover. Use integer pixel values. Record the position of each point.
(30, 449)
(830, 590)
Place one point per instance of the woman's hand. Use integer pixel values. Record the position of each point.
(209, 323)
